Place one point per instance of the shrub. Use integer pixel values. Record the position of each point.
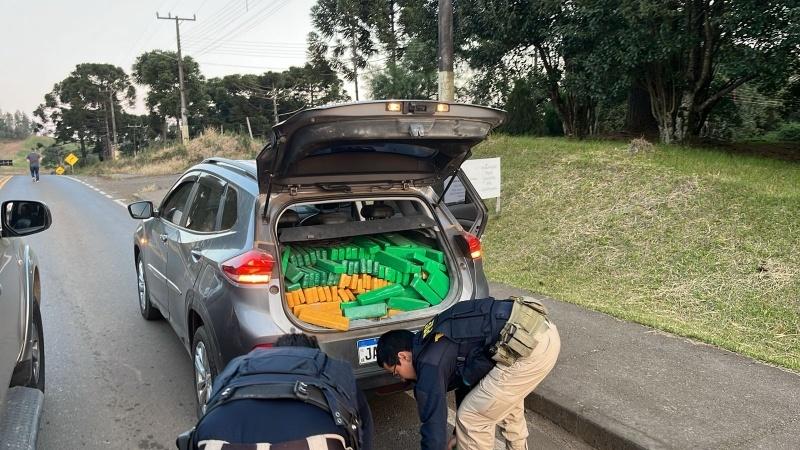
(789, 132)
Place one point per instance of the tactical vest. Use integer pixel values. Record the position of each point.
(475, 326)
(294, 373)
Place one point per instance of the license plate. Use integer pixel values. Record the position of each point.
(367, 350)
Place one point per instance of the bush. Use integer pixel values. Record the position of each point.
(789, 132)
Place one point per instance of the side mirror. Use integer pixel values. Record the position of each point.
(24, 217)
(141, 210)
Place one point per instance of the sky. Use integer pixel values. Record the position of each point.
(41, 41)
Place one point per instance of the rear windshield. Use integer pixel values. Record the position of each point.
(417, 151)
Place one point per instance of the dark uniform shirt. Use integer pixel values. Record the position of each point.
(273, 421)
(435, 366)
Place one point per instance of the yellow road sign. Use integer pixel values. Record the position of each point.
(71, 159)
(60, 170)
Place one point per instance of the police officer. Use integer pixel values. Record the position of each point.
(293, 397)
(493, 353)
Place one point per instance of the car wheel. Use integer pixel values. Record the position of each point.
(149, 312)
(30, 372)
(205, 370)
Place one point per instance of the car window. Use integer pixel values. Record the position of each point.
(174, 207)
(205, 205)
(229, 212)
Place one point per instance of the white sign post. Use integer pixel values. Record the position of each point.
(484, 174)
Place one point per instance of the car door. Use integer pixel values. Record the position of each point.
(466, 205)
(195, 237)
(164, 229)
(12, 311)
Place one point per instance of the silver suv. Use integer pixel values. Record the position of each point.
(238, 251)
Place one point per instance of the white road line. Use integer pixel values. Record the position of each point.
(120, 201)
(101, 192)
(108, 196)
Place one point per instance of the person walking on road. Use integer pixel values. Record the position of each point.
(493, 353)
(34, 159)
(292, 397)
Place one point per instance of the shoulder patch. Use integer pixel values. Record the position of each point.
(426, 330)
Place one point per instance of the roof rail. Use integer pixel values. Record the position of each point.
(239, 166)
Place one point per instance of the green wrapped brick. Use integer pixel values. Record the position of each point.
(366, 311)
(409, 292)
(362, 266)
(425, 291)
(396, 263)
(435, 255)
(428, 263)
(330, 266)
(293, 287)
(407, 304)
(379, 295)
(439, 282)
(399, 240)
(381, 272)
(287, 252)
(304, 256)
(375, 268)
(346, 305)
(405, 252)
(369, 246)
(292, 273)
(333, 279)
(380, 240)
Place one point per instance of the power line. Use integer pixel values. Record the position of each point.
(251, 23)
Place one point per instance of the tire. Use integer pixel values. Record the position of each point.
(205, 369)
(146, 307)
(30, 372)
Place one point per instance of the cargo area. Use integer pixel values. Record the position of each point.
(361, 260)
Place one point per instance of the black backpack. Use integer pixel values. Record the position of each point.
(289, 373)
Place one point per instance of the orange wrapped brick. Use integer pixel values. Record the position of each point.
(325, 319)
(329, 307)
(300, 297)
(328, 296)
(354, 282)
(311, 295)
(320, 293)
(344, 280)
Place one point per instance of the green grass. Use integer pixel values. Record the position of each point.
(696, 242)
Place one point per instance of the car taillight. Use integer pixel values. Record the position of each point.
(252, 267)
(471, 245)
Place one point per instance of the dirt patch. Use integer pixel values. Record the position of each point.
(9, 149)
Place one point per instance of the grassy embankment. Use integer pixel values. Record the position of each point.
(176, 158)
(692, 241)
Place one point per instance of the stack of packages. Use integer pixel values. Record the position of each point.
(365, 278)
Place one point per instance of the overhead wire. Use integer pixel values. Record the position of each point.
(250, 23)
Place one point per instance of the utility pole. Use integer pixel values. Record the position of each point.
(113, 124)
(184, 120)
(355, 65)
(135, 130)
(274, 103)
(249, 130)
(446, 76)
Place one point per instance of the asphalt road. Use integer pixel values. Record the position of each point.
(114, 380)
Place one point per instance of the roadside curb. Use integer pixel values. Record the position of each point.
(593, 427)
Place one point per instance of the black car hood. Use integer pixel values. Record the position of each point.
(367, 143)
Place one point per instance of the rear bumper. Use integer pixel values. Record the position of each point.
(19, 418)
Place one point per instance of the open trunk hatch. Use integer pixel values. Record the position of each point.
(419, 142)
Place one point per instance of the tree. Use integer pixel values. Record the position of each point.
(158, 70)
(81, 106)
(15, 126)
(347, 23)
(694, 53)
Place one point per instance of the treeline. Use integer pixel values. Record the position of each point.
(15, 126)
(676, 70)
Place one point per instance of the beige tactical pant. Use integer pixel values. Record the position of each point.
(500, 396)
